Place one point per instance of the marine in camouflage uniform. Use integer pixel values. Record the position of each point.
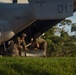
(41, 44)
(12, 49)
(21, 44)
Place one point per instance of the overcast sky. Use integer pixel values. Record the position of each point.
(73, 18)
(68, 27)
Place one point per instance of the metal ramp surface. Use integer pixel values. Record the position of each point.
(33, 53)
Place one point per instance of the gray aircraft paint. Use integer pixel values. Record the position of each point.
(16, 17)
(52, 9)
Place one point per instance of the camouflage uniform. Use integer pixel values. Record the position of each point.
(21, 45)
(12, 49)
(41, 44)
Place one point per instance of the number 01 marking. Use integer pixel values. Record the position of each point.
(62, 8)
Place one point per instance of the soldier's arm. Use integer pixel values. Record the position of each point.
(37, 44)
(28, 45)
(18, 41)
(24, 45)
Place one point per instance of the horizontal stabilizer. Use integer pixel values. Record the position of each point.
(52, 9)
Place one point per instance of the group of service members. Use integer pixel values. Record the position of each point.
(18, 46)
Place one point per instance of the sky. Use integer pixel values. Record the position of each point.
(73, 18)
(68, 27)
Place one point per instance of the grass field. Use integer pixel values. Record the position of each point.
(37, 66)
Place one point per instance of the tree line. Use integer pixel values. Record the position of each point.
(63, 45)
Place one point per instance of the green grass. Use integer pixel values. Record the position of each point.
(37, 66)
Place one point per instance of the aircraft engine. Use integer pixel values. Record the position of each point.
(6, 36)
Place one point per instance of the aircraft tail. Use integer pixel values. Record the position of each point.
(52, 9)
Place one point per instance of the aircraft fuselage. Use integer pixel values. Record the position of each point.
(15, 16)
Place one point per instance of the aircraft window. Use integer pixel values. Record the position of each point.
(22, 1)
(13, 1)
(5, 1)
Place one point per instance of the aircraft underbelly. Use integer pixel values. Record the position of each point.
(15, 17)
(19, 26)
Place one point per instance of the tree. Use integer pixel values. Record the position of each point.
(62, 45)
(73, 27)
(66, 21)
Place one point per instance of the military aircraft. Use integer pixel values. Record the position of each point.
(33, 16)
